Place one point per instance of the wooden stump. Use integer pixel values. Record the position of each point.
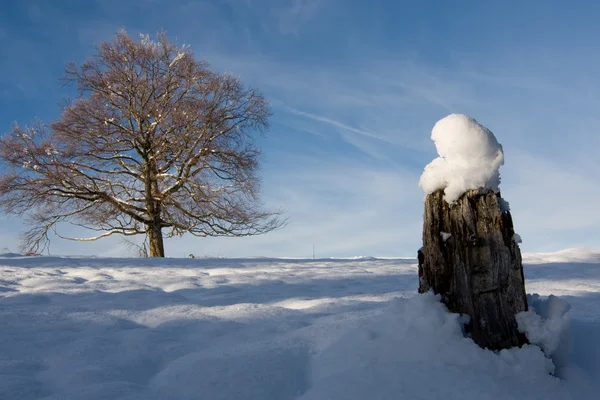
(470, 257)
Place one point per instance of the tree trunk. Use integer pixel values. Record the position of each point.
(155, 239)
(470, 257)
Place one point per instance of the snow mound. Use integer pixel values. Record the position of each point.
(546, 324)
(469, 158)
(415, 349)
(517, 238)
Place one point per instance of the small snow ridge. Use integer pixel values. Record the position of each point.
(10, 255)
(364, 258)
(576, 255)
(547, 325)
(469, 158)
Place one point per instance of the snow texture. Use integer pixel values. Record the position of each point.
(101, 328)
(546, 324)
(469, 158)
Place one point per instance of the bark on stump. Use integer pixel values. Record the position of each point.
(470, 257)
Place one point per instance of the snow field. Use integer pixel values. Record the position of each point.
(85, 328)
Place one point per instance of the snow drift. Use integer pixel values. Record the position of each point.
(79, 328)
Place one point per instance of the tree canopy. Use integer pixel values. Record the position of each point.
(154, 143)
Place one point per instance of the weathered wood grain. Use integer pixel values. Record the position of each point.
(477, 269)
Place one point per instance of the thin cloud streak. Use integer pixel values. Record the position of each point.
(338, 124)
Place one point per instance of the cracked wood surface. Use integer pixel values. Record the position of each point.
(477, 269)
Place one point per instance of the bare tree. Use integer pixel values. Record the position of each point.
(155, 143)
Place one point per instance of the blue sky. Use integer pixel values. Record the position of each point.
(356, 87)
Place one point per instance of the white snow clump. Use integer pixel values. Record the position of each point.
(547, 324)
(469, 158)
(517, 238)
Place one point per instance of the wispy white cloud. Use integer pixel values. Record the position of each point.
(338, 124)
(293, 15)
(541, 162)
(551, 197)
(383, 103)
(341, 208)
(390, 101)
(367, 142)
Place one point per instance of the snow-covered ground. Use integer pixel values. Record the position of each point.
(95, 328)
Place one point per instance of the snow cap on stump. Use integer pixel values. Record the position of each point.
(469, 158)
